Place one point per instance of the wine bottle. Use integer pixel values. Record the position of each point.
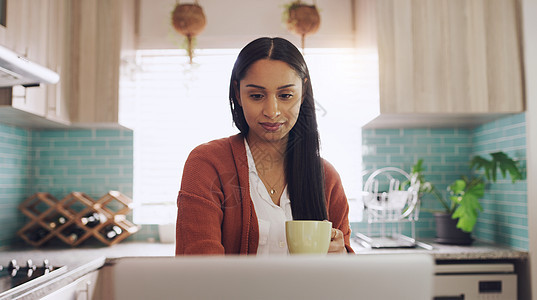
(74, 232)
(37, 234)
(59, 221)
(112, 231)
(91, 220)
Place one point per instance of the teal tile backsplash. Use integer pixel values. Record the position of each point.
(93, 161)
(15, 171)
(446, 154)
(504, 218)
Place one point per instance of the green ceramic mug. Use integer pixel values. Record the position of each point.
(308, 237)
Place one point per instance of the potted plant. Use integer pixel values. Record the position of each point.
(461, 207)
(302, 19)
(189, 20)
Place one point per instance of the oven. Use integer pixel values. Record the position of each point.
(475, 281)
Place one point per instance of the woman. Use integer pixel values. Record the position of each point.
(237, 192)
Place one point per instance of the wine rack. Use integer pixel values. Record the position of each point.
(76, 218)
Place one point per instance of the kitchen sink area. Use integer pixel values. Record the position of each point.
(477, 251)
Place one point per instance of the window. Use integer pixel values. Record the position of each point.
(173, 107)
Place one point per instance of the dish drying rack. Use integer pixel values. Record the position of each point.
(390, 200)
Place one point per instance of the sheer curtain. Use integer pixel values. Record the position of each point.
(173, 107)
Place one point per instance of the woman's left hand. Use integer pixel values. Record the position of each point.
(337, 244)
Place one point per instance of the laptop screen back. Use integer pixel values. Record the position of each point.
(406, 276)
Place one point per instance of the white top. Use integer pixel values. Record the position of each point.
(271, 217)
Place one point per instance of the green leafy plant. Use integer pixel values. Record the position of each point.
(464, 193)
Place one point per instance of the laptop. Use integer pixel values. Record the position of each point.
(372, 276)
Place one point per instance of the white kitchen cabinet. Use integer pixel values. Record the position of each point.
(444, 62)
(83, 288)
(25, 31)
(57, 98)
(36, 30)
(85, 42)
(36, 21)
(31, 99)
(14, 33)
(102, 37)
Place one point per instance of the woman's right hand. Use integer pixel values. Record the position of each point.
(337, 243)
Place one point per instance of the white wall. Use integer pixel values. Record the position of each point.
(233, 23)
(529, 15)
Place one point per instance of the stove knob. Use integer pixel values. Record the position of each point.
(30, 267)
(47, 266)
(13, 267)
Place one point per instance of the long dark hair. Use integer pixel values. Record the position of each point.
(303, 165)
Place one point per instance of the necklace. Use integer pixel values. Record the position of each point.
(272, 190)
(264, 165)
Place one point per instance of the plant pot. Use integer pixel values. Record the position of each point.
(188, 19)
(303, 19)
(448, 233)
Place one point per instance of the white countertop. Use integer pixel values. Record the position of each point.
(73, 257)
(78, 262)
(477, 251)
(82, 260)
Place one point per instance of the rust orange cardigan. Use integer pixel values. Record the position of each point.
(215, 212)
